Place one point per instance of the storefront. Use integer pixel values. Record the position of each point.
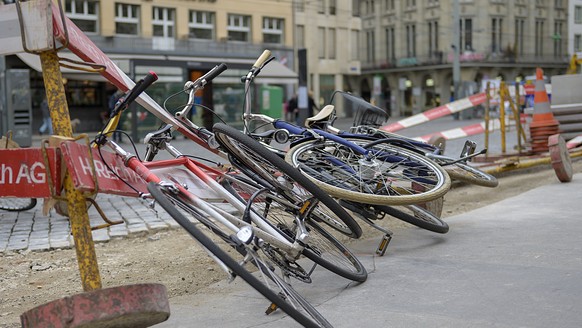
(221, 100)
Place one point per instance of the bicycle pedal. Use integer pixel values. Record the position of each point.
(272, 308)
(383, 244)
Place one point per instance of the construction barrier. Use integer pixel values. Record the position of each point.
(461, 132)
(437, 112)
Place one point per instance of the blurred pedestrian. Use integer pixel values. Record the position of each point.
(291, 110)
(47, 123)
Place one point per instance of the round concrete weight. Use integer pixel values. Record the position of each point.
(141, 305)
(438, 141)
(434, 206)
(561, 161)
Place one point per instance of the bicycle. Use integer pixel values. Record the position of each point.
(255, 240)
(15, 204)
(367, 123)
(373, 173)
(283, 132)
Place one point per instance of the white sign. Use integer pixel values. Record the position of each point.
(37, 24)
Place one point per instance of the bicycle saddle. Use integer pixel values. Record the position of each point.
(323, 115)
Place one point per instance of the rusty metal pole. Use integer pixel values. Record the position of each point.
(80, 226)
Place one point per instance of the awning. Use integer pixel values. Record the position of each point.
(274, 73)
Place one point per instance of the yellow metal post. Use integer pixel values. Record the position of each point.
(80, 226)
(487, 116)
(502, 96)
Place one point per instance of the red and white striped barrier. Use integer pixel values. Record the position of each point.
(465, 131)
(573, 143)
(437, 112)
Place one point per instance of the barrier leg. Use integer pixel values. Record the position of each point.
(80, 226)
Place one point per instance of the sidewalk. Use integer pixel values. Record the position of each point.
(516, 263)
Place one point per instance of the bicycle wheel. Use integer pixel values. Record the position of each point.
(270, 285)
(414, 215)
(464, 172)
(321, 247)
(264, 166)
(385, 175)
(14, 204)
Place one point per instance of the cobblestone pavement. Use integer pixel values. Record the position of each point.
(31, 230)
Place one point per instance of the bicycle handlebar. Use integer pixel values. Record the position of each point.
(204, 79)
(139, 87)
(262, 59)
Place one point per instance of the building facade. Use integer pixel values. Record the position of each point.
(575, 26)
(408, 55)
(180, 40)
(330, 30)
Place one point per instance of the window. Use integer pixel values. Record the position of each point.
(355, 8)
(300, 5)
(84, 94)
(433, 38)
(519, 35)
(300, 36)
(126, 19)
(496, 34)
(355, 45)
(467, 41)
(331, 43)
(371, 46)
(390, 45)
(332, 7)
(84, 13)
(321, 43)
(539, 38)
(320, 7)
(239, 27)
(273, 30)
(557, 37)
(578, 15)
(411, 41)
(577, 42)
(201, 25)
(163, 22)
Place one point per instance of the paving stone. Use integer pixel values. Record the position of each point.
(101, 235)
(137, 228)
(119, 230)
(61, 244)
(39, 246)
(155, 225)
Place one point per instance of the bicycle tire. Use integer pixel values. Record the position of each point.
(458, 171)
(13, 204)
(311, 317)
(466, 173)
(341, 172)
(279, 174)
(420, 217)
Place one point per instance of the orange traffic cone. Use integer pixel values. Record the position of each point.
(543, 122)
